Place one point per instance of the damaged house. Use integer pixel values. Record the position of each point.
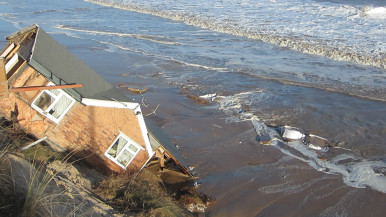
(53, 95)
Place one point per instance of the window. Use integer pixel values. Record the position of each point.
(53, 103)
(123, 151)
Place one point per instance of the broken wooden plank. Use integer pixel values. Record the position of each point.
(8, 50)
(33, 88)
(31, 28)
(13, 52)
(137, 91)
(192, 96)
(3, 79)
(3, 74)
(134, 90)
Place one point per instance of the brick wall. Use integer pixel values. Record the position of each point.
(87, 130)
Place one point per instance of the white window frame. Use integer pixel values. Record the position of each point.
(57, 98)
(126, 147)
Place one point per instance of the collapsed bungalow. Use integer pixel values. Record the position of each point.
(53, 95)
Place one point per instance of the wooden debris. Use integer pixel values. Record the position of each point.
(133, 90)
(264, 139)
(8, 50)
(197, 98)
(194, 97)
(3, 74)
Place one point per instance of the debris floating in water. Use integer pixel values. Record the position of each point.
(210, 97)
(317, 143)
(133, 90)
(291, 133)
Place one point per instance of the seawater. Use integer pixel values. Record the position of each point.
(315, 65)
(342, 30)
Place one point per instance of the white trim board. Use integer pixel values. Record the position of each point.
(109, 103)
(145, 133)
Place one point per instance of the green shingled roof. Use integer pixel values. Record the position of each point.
(57, 64)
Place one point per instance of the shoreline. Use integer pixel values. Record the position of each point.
(232, 166)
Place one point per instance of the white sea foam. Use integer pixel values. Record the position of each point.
(142, 37)
(357, 172)
(324, 28)
(378, 12)
(152, 38)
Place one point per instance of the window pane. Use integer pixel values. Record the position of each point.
(60, 106)
(125, 157)
(133, 148)
(54, 91)
(113, 150)
(117, 147)
(44, 101)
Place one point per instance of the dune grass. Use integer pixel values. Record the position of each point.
(143, 196)
(43, 197)
(10, 201)
(36, 194)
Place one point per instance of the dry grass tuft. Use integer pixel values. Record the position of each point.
(10, 201)
(35, 194)
(144, 195)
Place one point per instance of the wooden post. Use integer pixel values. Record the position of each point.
(3, 79)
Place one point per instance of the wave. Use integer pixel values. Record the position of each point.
(318, 82)
(376, 13)
(334, 44)
(152, 38)
(142, 37)
(45, 11)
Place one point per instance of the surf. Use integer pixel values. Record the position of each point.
(301, 26)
